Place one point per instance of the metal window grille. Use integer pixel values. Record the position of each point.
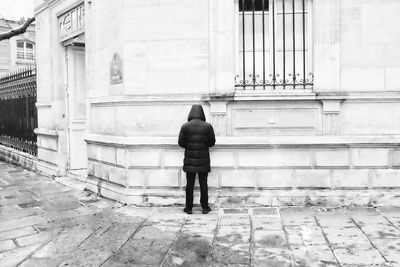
(18, 114)
(274, 45)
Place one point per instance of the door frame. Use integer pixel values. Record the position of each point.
(70, 92)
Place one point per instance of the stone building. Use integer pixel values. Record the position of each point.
(19, 51)
(304, 96)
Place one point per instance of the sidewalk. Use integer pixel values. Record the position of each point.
(44, 223)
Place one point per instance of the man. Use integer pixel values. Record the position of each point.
(196, 136)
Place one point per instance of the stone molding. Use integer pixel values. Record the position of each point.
(251, 141)
(218, 117)
(44, 131)
(331, 117)
(43, 105)
(108, 101)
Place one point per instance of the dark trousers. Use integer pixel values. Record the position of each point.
(190, 177)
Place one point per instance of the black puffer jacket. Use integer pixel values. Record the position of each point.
(196, 136)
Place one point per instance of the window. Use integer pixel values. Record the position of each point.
(25, 50)
(274, 45)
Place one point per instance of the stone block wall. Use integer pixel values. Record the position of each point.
(145, 171)
(19, 158)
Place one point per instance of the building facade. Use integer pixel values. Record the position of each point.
(304, 97)
(19, 51)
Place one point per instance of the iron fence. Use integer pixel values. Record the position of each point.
(274, 45)
(18, 114)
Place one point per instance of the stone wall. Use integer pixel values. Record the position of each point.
(18, 158)
(148, 167)
(369, 37)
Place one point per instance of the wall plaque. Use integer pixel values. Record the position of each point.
(116, 74)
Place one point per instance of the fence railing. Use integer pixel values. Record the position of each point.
(274, 44)
(18, 114)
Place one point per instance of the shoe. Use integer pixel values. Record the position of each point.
(206, 210)
(188, 211)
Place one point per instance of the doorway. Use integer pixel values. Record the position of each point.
(76, 108)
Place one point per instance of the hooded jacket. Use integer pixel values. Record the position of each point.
(196, 136)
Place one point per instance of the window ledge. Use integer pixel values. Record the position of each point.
(277, 94)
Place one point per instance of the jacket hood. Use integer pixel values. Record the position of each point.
(196, 113)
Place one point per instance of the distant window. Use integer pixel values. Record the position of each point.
(25, 50)
(259, 5)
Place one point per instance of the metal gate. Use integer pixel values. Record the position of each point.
(18, 114)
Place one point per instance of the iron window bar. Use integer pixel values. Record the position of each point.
(273, 77)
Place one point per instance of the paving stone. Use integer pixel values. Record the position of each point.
(21, 222)
(7, 245)
(269, 239)
(13, 192)
(24, 231)
(40, 262)
(39, 238)
(140, 251)
(305, 234)
(389, 248)
(267, 223)
(231, 253)
(294, 237)
(332, 219)
(395, 221)
(363, 220)
(393, 211)
(62, 245)
(15, 256)
(7, 209)
(156, 232)
(134, 211)
(55, 215)
(271, 257)
(234, 220)
(60, 205)
(211, 224)
(198, 230)
(228, 234)
(265, 211)
(363, 211)
(235, 211)
(381, 231)
(32, 204)
(16, 201)
(345, 235)
(19, 214)
(167, 219)
(189, 250)
(168, 210)
(297, 217)
(313, 255)
(358, 255)
(98, 248)
(221, 264)
(312, 235)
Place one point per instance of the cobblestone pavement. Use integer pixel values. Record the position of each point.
(44, 223)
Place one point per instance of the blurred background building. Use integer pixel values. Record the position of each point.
(19, 51)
